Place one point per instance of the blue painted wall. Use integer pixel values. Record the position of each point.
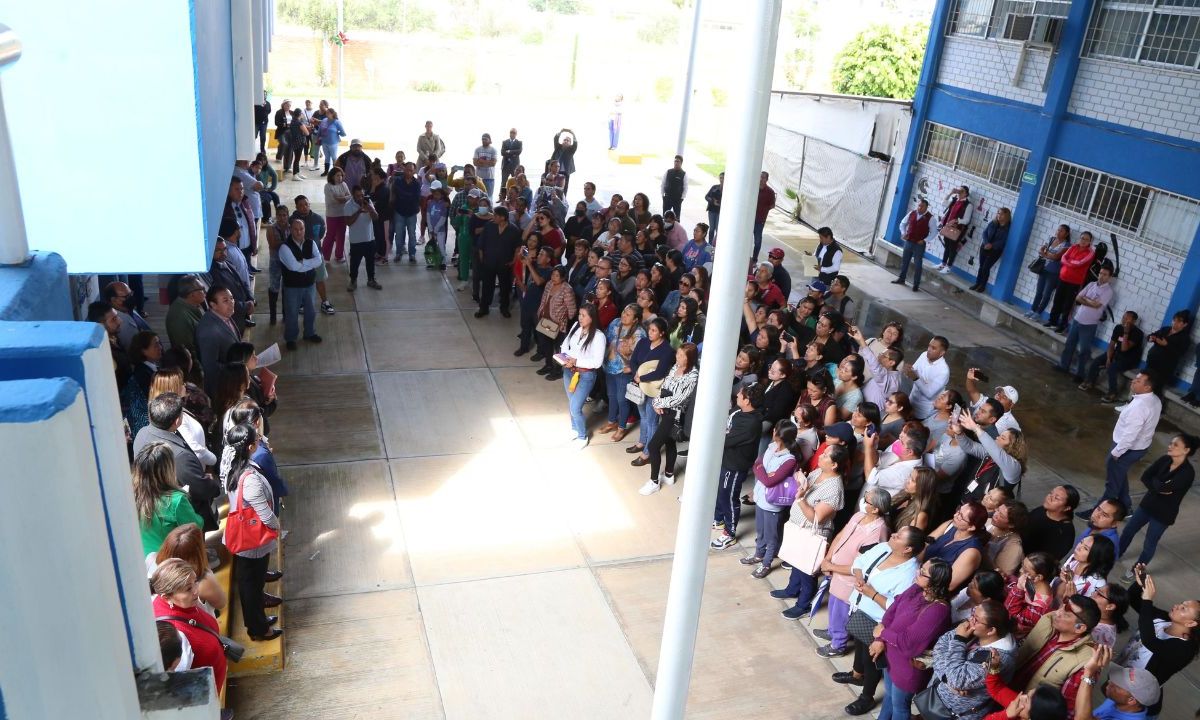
(37, 290)
(213, 48)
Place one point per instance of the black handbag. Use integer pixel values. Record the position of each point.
(1038, 266)
(861, 627)
(675, 430)
(931, 705)
(233, 649)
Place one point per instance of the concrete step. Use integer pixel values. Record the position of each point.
(261, 658)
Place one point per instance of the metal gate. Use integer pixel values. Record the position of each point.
(821, 184)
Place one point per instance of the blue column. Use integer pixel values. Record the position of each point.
(1064, 64)
(921, 101)
(1187, 287)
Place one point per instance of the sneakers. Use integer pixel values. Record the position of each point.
(579, 443)
(374, 285)
(829, 651)
(1085, 386)
(1128, 576)
(668, 478)
(327, 307)
(761, 572)
(1121, 408)
(941, 267)
(1108, 398)
(794, 612)
(945, 270)
(649, 488)
(822, 635)
(722, 541)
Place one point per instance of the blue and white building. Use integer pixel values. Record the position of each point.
(1084, 112)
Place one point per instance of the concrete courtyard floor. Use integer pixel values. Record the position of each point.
(449, 557)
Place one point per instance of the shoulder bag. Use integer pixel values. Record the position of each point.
(244, 529)
(548, 327)
(932, 707)
(860, 625)
(232, 648)
(803, 547)
(1038, 266)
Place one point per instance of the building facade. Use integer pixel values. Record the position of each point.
(1076, 112)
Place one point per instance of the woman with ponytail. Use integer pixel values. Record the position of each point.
(246, 486)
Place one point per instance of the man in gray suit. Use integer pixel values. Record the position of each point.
(166, 415)
(215, 333)
(224, 275)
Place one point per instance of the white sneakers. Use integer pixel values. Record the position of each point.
(579, 443)
(668, 478)
(650, 488)
(944, 270)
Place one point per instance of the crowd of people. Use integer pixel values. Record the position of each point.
(886, 492)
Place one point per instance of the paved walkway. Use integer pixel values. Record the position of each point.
(450, 557)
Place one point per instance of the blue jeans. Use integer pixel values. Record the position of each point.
(575, 399)
(1153, 534)
(649, 422)
(912, 252)
(758, 231)
(405, 225)
(490, 184)
(1116, 474)
(1081, 335)
(296, 300)
(714, 218)
(897, 704)
(330, 150)
(614, 133)
(803, 587)
(618, 405)
(1046, 285)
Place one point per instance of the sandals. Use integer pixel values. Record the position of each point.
(620, 434)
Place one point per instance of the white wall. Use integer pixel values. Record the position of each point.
(65, 651)
(1149, 98)
(987, 66)
(935, 182)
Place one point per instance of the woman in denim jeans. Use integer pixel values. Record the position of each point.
(654, 349)
(1047, 282)
(623, 335)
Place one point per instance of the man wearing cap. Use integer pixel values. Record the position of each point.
(510, 152)
(355, 164)
(485, 164)
(817, 290)
(765, 291)
(185, 312)
(1128, 693)
(1006, 395)
(914, 229)
(779, 273)
(429, 143)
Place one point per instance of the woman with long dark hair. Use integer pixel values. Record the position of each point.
(582, 358)
(145, 352)
(686, 326)
(773, 467)
(161, 504)
(555, 312)
(622, 336)
(244, 353)
(246, 486)
(651, 362)
(673, 397)
(818, 498)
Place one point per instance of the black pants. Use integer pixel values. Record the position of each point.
(488, 279)
(292, 158)
(660, 442)
(547, 346)
(528, 322)
(1064, 298)
(673, 203)
(986, 261)
(260, 132)
(950, 250)
(280, 147)
(729, 509)
(866, 666)
(361, 251)
(505, 173)
(251, 575)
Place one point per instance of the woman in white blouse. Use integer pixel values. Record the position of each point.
(582, 357)
(673, 397)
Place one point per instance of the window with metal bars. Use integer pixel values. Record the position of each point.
(992, 161)
(991, 18)
(1163, 32)
(1155, 218)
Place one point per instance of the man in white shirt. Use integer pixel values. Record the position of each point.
(485, 164)
(589, 197)
(889, 470)
(929, 374)
(300, 259)
(1131, 437)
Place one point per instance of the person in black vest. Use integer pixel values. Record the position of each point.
(498, 244)
(674, 187)
(283, 118)
(510, 154)
(300, 259)
(828, 255)
(914, 229)
(262, 115)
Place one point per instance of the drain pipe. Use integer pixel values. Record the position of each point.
(14, 245)
(745, 149)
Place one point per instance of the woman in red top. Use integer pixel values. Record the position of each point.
(606, 308)
(1075, 263)
(177, 595)
(1044, 703)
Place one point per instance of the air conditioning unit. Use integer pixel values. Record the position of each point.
(1033, 29)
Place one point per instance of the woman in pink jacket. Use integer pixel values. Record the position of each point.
(1075, 263)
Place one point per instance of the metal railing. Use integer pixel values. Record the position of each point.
(988, 18)
(1154, 218)
(992, 161)
(1159, 32)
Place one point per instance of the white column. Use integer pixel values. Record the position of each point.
(258, 37)
(744, 145)
(686, 107)
(241, 30)
(341, 106)
(14, 245)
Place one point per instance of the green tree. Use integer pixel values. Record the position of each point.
(798, 64)
(562, 7)
(881, 62)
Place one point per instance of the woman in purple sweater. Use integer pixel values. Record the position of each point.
(912, 624)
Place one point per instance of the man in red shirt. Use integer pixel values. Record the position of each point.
(766, 201)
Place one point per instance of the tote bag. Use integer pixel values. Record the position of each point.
(244, 530)
(803, 548)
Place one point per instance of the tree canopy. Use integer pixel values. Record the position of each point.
(881, 61)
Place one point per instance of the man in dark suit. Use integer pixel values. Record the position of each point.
(510, 154)
(223, 274)
(215, 333)
(166, 415)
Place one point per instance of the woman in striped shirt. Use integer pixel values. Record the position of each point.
(673, 397)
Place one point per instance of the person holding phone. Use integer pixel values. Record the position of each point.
(1166, 641)
(359, 215)
(1030, 595)
(962, 655)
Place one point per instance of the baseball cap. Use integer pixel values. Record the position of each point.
(776, 253)
(435, 185)
(355, 141)
(1010, 391)
(818, 286)
(1139, 683)
(486, 135)
(842, 431)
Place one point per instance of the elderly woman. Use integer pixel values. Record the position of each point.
(673, 398)
(818, 498)
(177, 601)
(555, 313)
(161, 504)
(246, 486)
(961, 656)
(910, 626)
(865, 528)
(186, 542)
